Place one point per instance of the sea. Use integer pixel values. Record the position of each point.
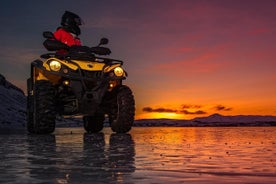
(206, 155)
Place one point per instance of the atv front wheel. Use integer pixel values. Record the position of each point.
(122, 112)
(30, 112)
(93, 124)
(41, 112)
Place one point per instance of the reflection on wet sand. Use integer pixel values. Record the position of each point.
(54, 159)
(117, 158)
(207, 155)
(145, 155)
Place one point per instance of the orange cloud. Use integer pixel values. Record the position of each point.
(180, 50)
(188, 106)
(160, 110)
(182, 110)
(199, 112)
(201, 64)
(222, 108)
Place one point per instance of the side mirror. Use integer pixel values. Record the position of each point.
(103, 41)
(48, 35)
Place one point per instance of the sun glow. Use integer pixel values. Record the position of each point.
(156, 115)
(171, 115)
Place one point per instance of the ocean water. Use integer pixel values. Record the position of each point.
(144, 155)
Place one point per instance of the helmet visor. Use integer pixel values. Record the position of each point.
(78, 21)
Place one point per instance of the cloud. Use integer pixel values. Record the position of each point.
(199, 112)
(259, 31)
(160, 110)
(223, 108)
(199, 62)
(183, 110)
(188, 106)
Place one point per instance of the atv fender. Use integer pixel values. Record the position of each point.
(39, 72)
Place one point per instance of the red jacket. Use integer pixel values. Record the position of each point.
(66, 37)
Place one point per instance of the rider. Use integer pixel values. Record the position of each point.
(69, 31)
(68, 34)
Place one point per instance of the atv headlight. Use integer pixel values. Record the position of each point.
(118, 71)
(55, 65)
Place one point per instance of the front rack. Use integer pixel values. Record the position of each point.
(84, 57)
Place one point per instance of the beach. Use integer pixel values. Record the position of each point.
(144, 155)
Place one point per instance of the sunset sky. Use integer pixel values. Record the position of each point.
(185, 58)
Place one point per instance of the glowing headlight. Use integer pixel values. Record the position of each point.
(55, 65)
(118, 71)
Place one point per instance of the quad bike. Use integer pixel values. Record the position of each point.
(78, 83)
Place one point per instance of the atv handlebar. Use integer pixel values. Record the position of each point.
(52, 44)
(84, 50)
(100, 50)
(77, 52)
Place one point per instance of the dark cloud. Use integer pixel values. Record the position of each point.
(165, 110)
(188, 106)
(160, 110)
(199, 112)
(222, 108)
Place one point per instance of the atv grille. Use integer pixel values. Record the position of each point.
(93, 74)
(92, 78)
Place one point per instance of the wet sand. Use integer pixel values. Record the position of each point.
(145, 155)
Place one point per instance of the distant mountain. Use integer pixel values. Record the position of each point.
(212, 120)
(239, 120)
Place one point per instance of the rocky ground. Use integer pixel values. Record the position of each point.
(13, 105)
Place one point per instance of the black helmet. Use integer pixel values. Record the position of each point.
(71, 22)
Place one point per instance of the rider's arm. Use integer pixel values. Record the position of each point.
(66, 37)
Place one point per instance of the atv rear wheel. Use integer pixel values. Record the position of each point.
(41, 113)
(93, 124)
(122, 112)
